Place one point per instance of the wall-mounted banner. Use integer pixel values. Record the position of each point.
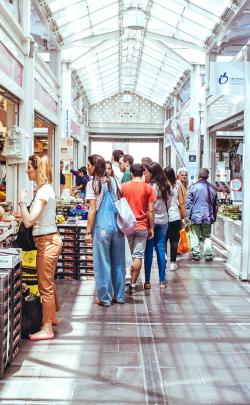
(227, 79)
(176, 138)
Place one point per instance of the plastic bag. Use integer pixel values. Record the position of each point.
(184, 243)
(125, 217)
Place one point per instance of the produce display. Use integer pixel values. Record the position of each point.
(230, 211)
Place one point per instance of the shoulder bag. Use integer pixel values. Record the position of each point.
(24, 239)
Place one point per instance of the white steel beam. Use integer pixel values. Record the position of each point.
(91, 39)
(174, 41)
(168, 51)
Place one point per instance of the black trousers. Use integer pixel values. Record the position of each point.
(173, 234)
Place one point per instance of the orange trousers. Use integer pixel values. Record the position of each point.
(48, 249)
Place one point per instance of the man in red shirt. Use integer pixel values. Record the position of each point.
(141, 198)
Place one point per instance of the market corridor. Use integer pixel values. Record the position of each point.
(187, 345)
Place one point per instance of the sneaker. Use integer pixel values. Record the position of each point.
(196, 258)
(132, 288)
(173, 266)
(103, 303)
(128, 279)
(208, 258)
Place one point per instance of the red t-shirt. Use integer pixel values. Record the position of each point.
(138, 196)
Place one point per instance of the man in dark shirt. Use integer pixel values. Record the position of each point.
(81, 178)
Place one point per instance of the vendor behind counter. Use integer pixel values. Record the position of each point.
(82, 179)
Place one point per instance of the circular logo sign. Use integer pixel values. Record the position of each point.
(236, 184)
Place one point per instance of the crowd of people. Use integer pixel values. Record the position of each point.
(159, 201)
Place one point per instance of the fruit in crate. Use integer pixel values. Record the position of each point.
(60, 219)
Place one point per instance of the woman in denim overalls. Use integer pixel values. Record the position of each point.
(108, 241)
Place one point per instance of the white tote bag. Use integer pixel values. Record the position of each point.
(125, 217)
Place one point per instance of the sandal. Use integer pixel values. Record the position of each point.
(147, 286)
(163, 284)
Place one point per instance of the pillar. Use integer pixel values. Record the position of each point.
(245, 267)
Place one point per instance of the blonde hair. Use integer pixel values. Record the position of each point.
(44, 171)
(181, 170)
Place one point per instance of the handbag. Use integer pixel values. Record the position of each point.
(126, 220)
(24, 239)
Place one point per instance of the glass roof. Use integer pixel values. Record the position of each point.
(140, 46)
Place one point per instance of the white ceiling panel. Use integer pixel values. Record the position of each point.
(141, 45)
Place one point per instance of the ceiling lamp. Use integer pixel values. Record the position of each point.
(134, 19)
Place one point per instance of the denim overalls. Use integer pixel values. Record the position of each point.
(108, 250)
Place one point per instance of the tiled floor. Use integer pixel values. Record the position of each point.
(186, 345)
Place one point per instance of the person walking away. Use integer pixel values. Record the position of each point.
(102, 229)
(155, 176)
(141, 198)
(182, 176)
(125, 162)
(62, 177)
(116, 154)
(202, 206)
(46, 237)
(174, 217)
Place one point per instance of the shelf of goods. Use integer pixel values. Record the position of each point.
(76, 259)
(10, 306)
(227, 236)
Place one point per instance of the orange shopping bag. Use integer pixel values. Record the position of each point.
(184, 244)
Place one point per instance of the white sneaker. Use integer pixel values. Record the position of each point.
(128, 279)
(173, 266)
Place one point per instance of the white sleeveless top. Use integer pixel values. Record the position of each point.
(173, 211)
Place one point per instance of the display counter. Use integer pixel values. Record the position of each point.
(227, 234)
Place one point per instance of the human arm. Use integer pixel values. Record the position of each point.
(189, 203)
(74, 172)
(29, 218)
(151, 219)
(91, 220)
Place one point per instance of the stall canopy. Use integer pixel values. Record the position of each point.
(139, 46)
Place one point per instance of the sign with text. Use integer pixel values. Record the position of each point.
(67, 149)
(10, 65)
(227, 79)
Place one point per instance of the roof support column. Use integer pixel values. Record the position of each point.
(26, 117)
(245, 267)
(195, 113)
(208, 142)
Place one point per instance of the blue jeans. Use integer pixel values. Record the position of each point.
(158, 242)
(108, 252)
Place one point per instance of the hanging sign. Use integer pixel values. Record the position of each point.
(44, 98)
(10, 65)
(227, 79)
(236, 184)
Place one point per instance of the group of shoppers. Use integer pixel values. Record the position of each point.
(158, 200)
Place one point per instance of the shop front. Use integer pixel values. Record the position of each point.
(227, 175)
(44, 137)
(9, 109)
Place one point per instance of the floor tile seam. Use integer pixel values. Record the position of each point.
(143, 306)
